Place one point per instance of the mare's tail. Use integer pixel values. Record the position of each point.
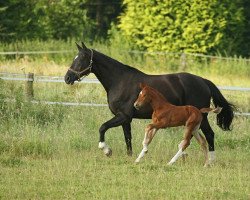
(214, 110)
(225, 117)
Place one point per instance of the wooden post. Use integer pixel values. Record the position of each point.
(183, 62)
(29, 86)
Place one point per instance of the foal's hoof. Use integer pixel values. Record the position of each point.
(206, 165)
(170, 163)
(184, 156)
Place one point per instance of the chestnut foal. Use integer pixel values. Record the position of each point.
(166, 115)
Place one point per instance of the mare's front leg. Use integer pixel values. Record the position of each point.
(117, 120)
(150, 132)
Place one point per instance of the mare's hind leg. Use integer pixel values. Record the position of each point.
(183, 145)
(150, 132)
(128, 138)
(202, 141)
(209, 134)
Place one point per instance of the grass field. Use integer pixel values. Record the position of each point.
(51, 152)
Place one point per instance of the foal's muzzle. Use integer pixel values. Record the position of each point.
(137, 106)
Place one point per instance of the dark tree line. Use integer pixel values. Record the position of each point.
(54, 19)
(205, 26)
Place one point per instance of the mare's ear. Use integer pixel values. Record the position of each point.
(84, 46)
(79, 47)
(142, 85)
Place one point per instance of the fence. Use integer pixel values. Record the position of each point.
(30, 79)
(127, 51)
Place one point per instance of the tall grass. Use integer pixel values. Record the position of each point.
(151, 63)
(50, 152)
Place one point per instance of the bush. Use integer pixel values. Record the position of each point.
(189, 26)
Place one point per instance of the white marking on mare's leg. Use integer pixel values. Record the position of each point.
(211, 157)
(76, 57)
(107, 151)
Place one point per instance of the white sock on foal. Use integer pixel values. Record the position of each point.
(177, 155)
(141, 155)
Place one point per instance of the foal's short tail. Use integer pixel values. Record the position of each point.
(225, 117)
(214, 110)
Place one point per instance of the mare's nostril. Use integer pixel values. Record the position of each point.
(67, 79)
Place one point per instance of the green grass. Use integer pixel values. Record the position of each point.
(50, 152)
(63, 162)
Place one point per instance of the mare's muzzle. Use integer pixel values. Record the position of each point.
(70, 78)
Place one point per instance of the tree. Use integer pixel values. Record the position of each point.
(16, 20)
(198, 26)
(103, 12)
(53, 19)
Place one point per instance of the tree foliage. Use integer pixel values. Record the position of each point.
(53, 19)
(200, 26)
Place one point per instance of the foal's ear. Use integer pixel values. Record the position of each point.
(142, 85)
(84, 46)
(79, 47)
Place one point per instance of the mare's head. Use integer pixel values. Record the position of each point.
(81, 65)
(144, 96)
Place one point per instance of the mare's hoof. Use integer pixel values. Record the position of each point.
(108, 152)
(206, 165)
(137, 161)
(129, 153)
(170, 163)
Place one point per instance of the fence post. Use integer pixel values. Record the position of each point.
(29, 86)
(183, 62)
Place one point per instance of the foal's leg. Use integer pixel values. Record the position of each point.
(150, 132)
(183, 145)
(202, 141)
(184, 153)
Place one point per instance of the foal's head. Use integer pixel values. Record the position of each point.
(81, 65)
(144, 96)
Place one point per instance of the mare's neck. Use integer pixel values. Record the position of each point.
(108, 71)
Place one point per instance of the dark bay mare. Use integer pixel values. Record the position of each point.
(121, 83)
